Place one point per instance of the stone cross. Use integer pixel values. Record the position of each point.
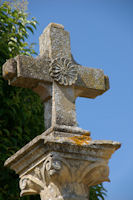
(63, 162)
(56, 77)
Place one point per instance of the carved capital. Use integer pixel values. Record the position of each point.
(60, 176)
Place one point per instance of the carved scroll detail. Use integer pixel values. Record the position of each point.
(40, 177)
(30, 185)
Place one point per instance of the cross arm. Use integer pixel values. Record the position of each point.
(27, 72)
(91, 82)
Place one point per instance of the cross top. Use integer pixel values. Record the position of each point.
(56, 77)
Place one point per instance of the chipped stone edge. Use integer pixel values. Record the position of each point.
(45, 138)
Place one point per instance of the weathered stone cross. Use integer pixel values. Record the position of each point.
(63, 162)
(56, 77)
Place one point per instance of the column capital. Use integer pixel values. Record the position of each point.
(60, 167)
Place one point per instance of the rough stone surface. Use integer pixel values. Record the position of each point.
(55, 42)
(63, 105)
(63, 162)
(10, 69)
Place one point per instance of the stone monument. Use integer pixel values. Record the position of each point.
(63, 162)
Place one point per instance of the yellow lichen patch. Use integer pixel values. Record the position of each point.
(81, 139)
(6, 72)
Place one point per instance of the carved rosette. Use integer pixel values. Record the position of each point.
(63, 71)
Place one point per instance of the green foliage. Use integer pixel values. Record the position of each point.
(21, 112)
(14, 28)
(97, 192)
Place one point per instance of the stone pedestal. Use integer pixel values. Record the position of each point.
(62, 163)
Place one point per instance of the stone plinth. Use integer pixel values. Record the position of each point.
(62, 165)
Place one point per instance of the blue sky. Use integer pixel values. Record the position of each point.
(101, 34)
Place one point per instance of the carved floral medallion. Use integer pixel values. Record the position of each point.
(63, 71)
